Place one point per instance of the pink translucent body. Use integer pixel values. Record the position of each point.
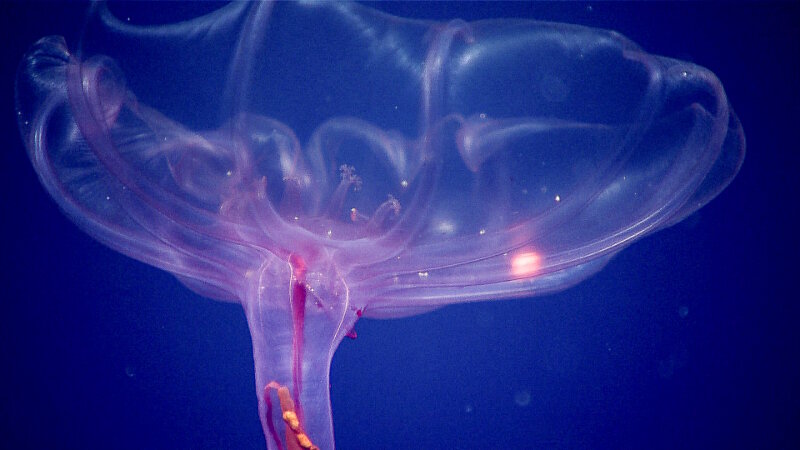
(319, 162)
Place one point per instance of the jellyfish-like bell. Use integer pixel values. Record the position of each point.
(317, 162)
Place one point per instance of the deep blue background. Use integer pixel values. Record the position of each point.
(688, 339)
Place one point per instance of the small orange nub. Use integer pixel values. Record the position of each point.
(291, 419)
(304, 441)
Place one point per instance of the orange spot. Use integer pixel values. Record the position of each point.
(525, 264)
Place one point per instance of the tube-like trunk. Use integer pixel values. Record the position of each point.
(297, 317)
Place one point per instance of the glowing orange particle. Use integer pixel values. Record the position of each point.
(525, 264)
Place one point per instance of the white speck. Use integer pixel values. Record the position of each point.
(108, 198)
(404, 183)
(422, 274)
(482, 232)
(229, 173)
(330, 233)
(296, 218)
(445, 227)
(522, 398)
(482, 115)
(558, 198)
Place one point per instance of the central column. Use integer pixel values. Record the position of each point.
(297, 315)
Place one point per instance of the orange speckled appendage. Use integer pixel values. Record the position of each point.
(296, 438)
